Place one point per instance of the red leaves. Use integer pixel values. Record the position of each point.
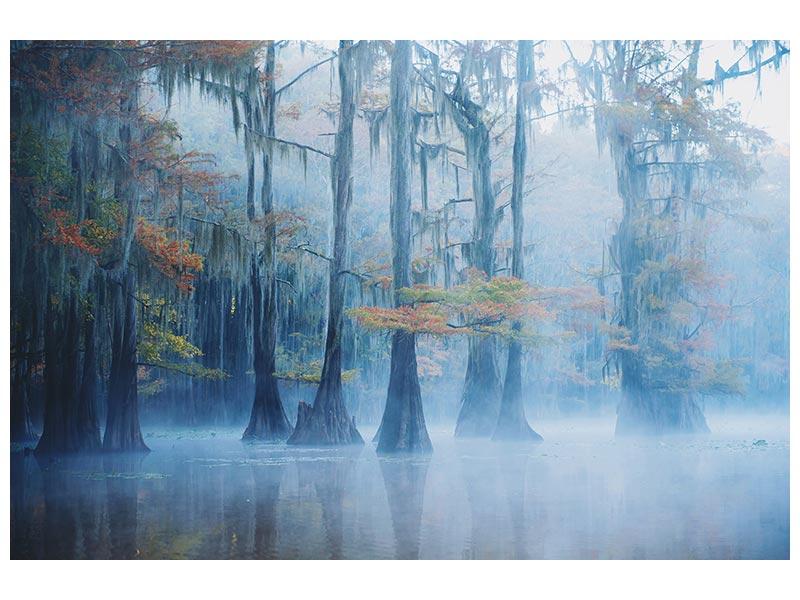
(479, 306)
(284, 223)
(423, 319)
(221, 52)
(171, 257)
(384, 282)
(87, 236)
(702, 342)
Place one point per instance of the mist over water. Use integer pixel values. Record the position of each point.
(581, 494)
(294, 241)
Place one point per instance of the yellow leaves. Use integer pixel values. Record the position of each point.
(349, 375)
(156, 341)
(87, 236)
(311, 373)
(481, 306)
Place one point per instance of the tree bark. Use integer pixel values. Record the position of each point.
(21, 424)
(88, 423)
(329, 422)
(644, 408)
(480, 402)
(402, 427)
(122, 421)
(62, 432)
(511, 423)
(267, 418)
(122, 425)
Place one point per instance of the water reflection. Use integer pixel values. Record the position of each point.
(479, 473)
(514, 477)
(266, 491)
(60, 528)
(122, 474)
(204, 497)
(332, 477)
(404, 479)
(25, 501)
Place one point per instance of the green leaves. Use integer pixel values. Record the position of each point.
(481, 306)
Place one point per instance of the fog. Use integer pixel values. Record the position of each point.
(578, 495)
(431, 299)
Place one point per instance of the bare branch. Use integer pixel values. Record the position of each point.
(287, 142)
(308, 70)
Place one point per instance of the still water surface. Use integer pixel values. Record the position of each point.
(580, 494)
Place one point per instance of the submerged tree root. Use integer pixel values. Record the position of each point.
(657, 414)
(323, 428)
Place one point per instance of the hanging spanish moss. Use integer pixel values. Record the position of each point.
(232, 262)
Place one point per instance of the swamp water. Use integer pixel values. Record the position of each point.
(579, 494)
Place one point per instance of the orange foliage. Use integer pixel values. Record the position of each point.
(479, 306)
(428, 368)
(285, 223)
(171, 257)
(223, 52)
(621, 345)
(383, 281)
(702, 342)
(87, 236)
(423, 319)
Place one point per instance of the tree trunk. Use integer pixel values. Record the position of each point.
(653, 412)
(61, 431)
(267, 418)
(512, 424)
(403, 424)
(644, 408)
(88, 423)
(329, 422)
(21, 426)
(27, 296)
(122, 424)
(122, 421)
(480, 404)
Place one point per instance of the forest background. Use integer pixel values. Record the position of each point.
(584, 143)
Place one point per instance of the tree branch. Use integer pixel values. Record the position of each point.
(286, 282)
(287, 142)
(308, 70)
(733, 72)
(305, 248)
